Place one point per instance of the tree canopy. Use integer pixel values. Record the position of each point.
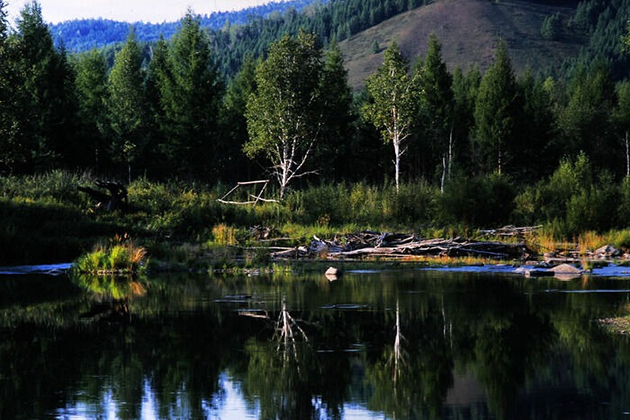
(393, 102)
(285, 114)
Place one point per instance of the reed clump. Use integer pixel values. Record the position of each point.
(120, 256)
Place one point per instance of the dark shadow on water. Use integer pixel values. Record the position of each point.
(417, 345)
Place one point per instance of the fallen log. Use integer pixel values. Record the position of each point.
(116, 199)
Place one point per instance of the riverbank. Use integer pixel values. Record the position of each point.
(48, 219)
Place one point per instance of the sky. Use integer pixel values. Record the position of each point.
(155, 11)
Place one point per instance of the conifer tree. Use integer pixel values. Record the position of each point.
(621, 117)
(45, 109)
(465, 88)
(191, 99)
(234, 123)
(91, 92)
(12, 154)
(158, 79)
(436, 105)
(337, 102)
(496, 111)
(585, 121)
(126, 105)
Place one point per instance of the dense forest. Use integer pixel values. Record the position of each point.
(80, 35)
(496, 147)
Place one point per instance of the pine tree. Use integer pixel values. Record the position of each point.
(585, 121)
(127, 105)
(621, 117)
(191, 99)
(43, 91)
(234, 165)
(91, 91)
(496, 110)
(436, 105)
(465, 89)
(337, 102)
(12, 152)
(158, 80)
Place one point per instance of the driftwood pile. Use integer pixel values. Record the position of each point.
(604, 253)
(396, 245)
(511, 231)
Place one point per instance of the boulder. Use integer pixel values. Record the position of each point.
(566, 272)
(607, 251)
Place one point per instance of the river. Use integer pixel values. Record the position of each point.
(400, 344)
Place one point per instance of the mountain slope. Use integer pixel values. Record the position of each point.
(83, 34)
(469, 31)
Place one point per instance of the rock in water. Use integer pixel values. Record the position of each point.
(566, 272)
(332, 271)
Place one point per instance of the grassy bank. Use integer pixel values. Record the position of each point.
(46, 219)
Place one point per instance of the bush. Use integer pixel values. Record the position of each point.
(572, 199)
(482, 201)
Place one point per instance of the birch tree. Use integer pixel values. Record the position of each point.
(393, 102)
(284, 115)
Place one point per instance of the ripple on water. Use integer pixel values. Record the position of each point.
(49, 269)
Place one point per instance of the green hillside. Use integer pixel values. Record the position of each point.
(469, 31)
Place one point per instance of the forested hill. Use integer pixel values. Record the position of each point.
(542, 35)
(551, 37)
(83, 34)
(469, 31)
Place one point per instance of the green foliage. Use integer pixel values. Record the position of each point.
(363, 205)
(121, 256)
(36, 98)
(190, 94)
(574, 198)
(284, 115)
(586, 120)
(336, 98)
(376, 48)
(551, 27)
(126, 105)
(496, 109)
(91, 91)
(624, 202)
(436, 99)
(166, 114)
(482, 201)
(393, 102)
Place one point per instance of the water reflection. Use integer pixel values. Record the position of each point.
(414, 345)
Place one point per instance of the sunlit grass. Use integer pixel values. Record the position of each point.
(121, 256)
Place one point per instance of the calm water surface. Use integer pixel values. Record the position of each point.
(371, 345)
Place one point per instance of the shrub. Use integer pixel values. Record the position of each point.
(482, 201)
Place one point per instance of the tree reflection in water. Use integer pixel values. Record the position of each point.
(395, 345)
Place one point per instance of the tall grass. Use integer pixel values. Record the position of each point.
(363, 204)
(45, 218)
(120, 256)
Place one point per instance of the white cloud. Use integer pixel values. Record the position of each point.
(55, 11)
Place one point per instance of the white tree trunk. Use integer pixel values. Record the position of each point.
(397, 162)
(447, 161)
(444, 169)
(627, 156)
